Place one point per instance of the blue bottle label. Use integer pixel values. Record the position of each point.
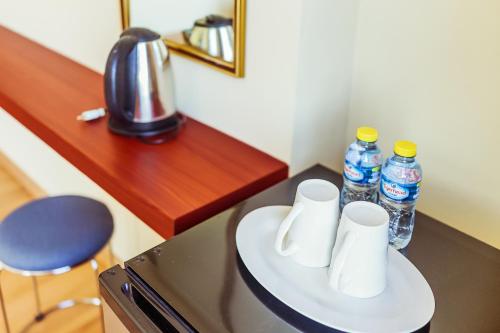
(399, 192)
(361, 175)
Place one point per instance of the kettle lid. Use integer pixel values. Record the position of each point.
(142, 34)
(213, 21)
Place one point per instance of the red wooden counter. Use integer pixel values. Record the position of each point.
(171, 186)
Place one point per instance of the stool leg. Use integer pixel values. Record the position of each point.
(4, 312)
(39, 315)
(95, 267)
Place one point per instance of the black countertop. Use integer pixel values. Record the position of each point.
(200, 274)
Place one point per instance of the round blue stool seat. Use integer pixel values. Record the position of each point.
(54, 232)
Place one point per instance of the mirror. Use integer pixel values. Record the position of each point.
(211, 32)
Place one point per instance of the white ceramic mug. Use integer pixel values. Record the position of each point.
(307, 234)
(359, 259)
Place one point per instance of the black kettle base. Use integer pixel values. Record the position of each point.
(146, 131)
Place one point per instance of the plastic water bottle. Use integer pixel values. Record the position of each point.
(363, 160)
(399, 191)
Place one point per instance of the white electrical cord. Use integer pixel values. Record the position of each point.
(91, 114)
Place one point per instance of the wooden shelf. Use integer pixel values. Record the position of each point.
(171, 186)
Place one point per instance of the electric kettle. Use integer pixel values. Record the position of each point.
(138, 85)
(213, 35)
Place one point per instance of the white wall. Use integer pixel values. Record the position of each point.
(324, 81)
(259, 108)
(429, 71)
(83, 30)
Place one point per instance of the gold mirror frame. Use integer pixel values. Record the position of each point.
(236, 68)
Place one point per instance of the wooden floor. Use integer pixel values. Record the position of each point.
(18, 292)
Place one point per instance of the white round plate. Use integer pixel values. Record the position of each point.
(406, 304)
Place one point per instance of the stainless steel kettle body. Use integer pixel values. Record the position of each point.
(139, 85)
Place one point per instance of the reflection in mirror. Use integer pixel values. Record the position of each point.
(212, 34)
(208, 31)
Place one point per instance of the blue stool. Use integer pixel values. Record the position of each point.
(51, 236)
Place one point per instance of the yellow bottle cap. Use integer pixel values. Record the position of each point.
(405, 148)
(367, 134)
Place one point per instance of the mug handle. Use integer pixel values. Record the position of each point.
(283, 230)
(337, 265)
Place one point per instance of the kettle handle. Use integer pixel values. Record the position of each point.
(119, 79)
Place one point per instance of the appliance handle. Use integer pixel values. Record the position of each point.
(119, 79)
(134, 309)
